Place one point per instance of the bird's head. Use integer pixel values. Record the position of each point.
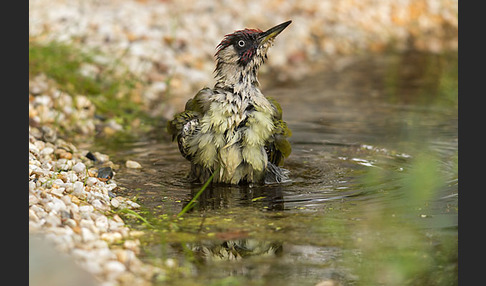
(240, 54)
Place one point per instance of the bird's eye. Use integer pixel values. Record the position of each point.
(241, 43)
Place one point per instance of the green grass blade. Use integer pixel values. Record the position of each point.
(191, 204)
(135, 214)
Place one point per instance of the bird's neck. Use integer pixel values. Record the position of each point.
(242, 80)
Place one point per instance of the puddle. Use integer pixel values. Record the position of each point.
(374, 186)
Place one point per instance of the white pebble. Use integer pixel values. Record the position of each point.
(85, 208)
(69, 187)
(57, 191)
(40, 212)
(31, 186)
(87, 235)
(85, 211)
(115, 226)
(111, 236)
(91, 181)
(78, 190)
(33, 149)
(111, 186)
(55, 205)
(114, 267)
(70, 222)
(32, 216)
(101, 223)
(33, 200)
(115, 203)
(97, 204)
(58, 182)
(133, 204)
(79, 167)
(53, 220)
(78, 187)
(47, 151)
(46, 166)
(131, 244)
(71, 177)
(133, 164)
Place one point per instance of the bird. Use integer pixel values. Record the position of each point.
(232, 133)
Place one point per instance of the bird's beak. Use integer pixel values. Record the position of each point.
(272, 32)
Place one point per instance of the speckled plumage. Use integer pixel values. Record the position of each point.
(233, 129)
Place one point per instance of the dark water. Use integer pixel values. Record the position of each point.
(373, 197)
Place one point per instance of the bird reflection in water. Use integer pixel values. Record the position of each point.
(236, 245)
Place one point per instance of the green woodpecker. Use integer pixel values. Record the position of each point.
(233, 130)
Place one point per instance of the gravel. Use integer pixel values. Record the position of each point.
(70, 208)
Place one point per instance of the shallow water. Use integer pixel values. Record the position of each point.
(374, 186)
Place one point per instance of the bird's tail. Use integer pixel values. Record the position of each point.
(275, 174)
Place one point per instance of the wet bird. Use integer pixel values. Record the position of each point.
(233, 130)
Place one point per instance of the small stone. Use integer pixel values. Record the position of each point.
(58, 183)
(114, 268)
(66, 200)
(111, 186)
(33, 149)
(101, 223)
(78, 190)
(127, 278)
(132, 245)
(48, 134)
(53, 220)
(87, 235)
(101, 157)
(34, 200)
(133, 164)
(105, 173)
(47, 151)
(75, 202)
(33, 216)
(133, 204)
(97, 204)
(136, 233)
(111, 237)
(69, 187)
(65, 215)
(85, 211)
(63, 154)
(92, 157)
(55, 205)
(123, 255)
(79, 167)
(36, 170)
(71, 223)
(92, 172)
(115, 203)
(31, 186)
(57, 191)
(91, 181)
(71, 177)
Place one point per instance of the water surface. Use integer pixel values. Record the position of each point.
(373, 197)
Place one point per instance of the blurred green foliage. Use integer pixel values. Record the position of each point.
(392, 245)
(425, 78)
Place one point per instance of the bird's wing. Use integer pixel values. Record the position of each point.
(195, 107)
(186, 123)
(278, 147)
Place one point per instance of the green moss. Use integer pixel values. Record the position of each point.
(112, 88)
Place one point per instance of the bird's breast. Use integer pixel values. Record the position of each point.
(233, 131)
